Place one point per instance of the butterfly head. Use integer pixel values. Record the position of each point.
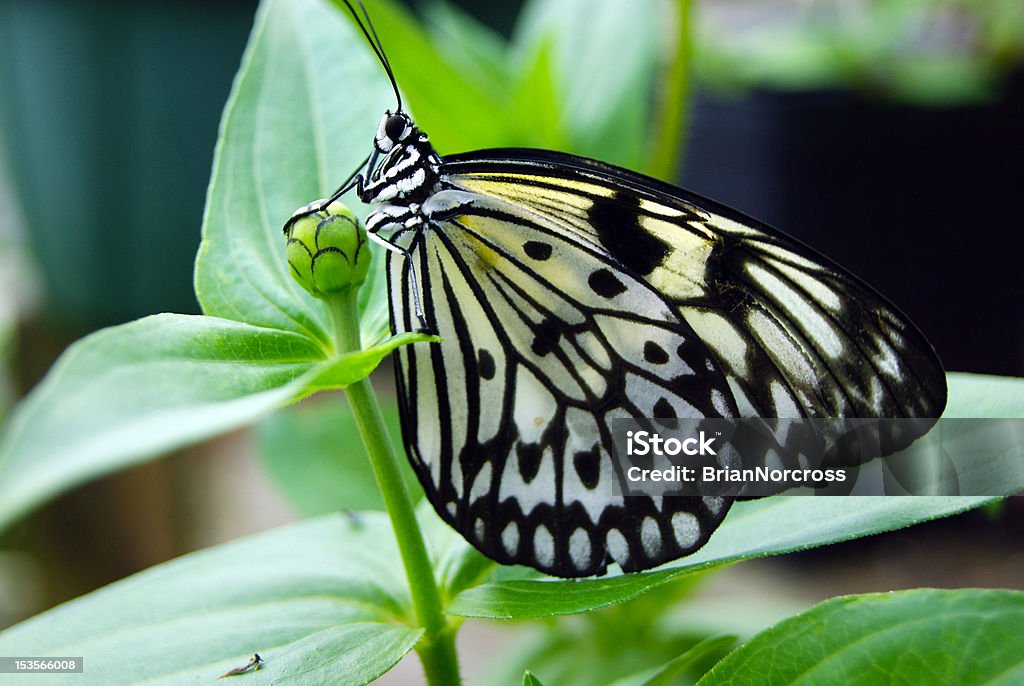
(394, 129)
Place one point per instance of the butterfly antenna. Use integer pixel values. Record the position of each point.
(374, 41)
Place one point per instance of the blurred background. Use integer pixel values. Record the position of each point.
(889, 134)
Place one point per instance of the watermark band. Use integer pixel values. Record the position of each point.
(759, 457)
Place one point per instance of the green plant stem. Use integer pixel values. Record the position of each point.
(437, 647)
(670, 120)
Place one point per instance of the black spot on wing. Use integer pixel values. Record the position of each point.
(537, 250)
(617, 222)
(485, 364)
(654, 353)
(665, 414)
(605, 283)
(528, 455)
(588, 466)
(545, 338)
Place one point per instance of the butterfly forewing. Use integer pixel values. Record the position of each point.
(795, 334)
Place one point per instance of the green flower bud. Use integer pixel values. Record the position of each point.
(327, 249)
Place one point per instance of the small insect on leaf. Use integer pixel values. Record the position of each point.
(252, 665)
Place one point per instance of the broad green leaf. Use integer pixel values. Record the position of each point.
(300, 117)
(914, 637)
(537, 102)
(667, 674)
(605, 59)
(136, 391)
(752, 529)
(323, 602)
(314, 453)
(471, 47)
(968, 456)
(960, 456)
(356, 653)
(141, 389)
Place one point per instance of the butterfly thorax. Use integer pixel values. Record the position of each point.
(409, 170)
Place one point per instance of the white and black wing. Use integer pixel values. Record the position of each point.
(507, 422)
(570, 293)
(797, 335)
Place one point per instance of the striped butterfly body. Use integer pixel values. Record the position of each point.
(570, 293)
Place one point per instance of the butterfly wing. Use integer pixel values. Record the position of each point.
(568, 294)
(546, 342)
(796, 335)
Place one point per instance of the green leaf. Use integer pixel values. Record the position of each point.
(605, 60)
(960, 456)
(356, 653)
(610, 644)
(351, 367)
(323, 602)
(537, 103)
(983, 395)
(456, 112)
(752, 529)
(299, 119)
(530, 680)
(666, 674)
(471, 47)
(141, 389)
(965, 456)
(313, 452)
(912, 637)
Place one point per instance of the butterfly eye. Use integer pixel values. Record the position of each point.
(395, 127)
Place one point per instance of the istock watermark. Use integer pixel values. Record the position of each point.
(757, 456)
(648, 443)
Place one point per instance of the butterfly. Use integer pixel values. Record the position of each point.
(569, 293)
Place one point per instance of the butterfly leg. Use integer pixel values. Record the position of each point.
(354, 180)
(398, 250)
